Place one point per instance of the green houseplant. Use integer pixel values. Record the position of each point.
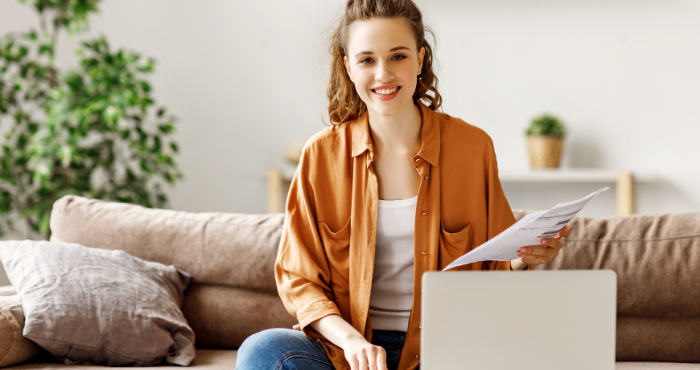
(545, 141)
(93, 130)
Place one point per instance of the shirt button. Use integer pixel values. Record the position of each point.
(417, 159)
(426, 177)
(420, 327)
(424, 214)
(417, 356)
(423, 253)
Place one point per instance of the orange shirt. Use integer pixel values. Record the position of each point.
(326, 256)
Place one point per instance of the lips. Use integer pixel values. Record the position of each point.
(386, 92)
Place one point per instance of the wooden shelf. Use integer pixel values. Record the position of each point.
(624, 181)
(570, 176)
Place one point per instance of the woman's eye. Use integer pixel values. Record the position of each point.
(366, 61)
(399, 57)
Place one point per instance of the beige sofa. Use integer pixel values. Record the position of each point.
(233, 294)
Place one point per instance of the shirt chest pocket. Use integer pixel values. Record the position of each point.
(454, 244)
(337, 247)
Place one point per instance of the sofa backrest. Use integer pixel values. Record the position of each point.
(657, 260)
(230, 257)
(233, 294)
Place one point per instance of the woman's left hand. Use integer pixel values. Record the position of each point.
(536, 255)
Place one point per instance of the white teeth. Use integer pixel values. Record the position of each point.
(386, 91)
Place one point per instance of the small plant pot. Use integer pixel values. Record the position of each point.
(545, 151)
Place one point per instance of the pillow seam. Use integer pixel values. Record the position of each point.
(78, 344)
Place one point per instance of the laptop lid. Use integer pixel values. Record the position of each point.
(518, 320)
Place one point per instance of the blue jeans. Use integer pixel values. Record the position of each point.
(278, 349)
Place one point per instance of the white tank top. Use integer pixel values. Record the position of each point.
(391, 299)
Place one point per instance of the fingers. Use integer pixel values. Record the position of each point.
(536, 255)
(563, 232)
(536, 252)
(353, 363)
(381, 359)
(371, 358)
(362, 355)
(536, 260)
(552, 242)
(539, 251)
(533, 255)
(363, 361)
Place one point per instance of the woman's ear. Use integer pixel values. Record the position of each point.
(421, 54)
(347, 67)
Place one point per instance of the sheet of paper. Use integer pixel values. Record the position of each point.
(528, 231)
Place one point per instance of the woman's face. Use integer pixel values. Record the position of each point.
(383, 62)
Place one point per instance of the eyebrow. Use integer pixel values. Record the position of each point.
(391, 51)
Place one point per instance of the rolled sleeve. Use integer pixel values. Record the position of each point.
(312, 312)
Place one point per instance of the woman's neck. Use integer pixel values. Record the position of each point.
(398, 132)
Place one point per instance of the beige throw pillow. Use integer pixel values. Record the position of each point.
(14, 347)
(92, 306)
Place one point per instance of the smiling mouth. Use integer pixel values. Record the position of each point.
(386, 91)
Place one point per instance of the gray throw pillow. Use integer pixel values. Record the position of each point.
(97, 306)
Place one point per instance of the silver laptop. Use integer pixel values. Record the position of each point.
(518, 320)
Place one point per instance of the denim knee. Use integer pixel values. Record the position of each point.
(266, 340)
(275, 349)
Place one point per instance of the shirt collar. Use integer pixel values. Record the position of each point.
(430, 136)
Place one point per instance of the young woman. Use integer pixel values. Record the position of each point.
(392, 189)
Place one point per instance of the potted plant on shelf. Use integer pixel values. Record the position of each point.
(545, 139)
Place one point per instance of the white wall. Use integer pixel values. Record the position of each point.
(623, 74)
(247, 77)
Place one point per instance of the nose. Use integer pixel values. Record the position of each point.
(383, 73)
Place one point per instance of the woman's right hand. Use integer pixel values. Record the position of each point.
(360, 354)
(363, 355)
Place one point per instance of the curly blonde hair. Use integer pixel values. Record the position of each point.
(344, 104)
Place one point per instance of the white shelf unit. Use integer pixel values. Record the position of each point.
(624, 181)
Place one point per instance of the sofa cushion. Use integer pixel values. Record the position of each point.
(230, 256)
(96, 306)
(223, 317)
(14, 347)
(206, 359)
(654, 366)
(654, 338)
(656, 258)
